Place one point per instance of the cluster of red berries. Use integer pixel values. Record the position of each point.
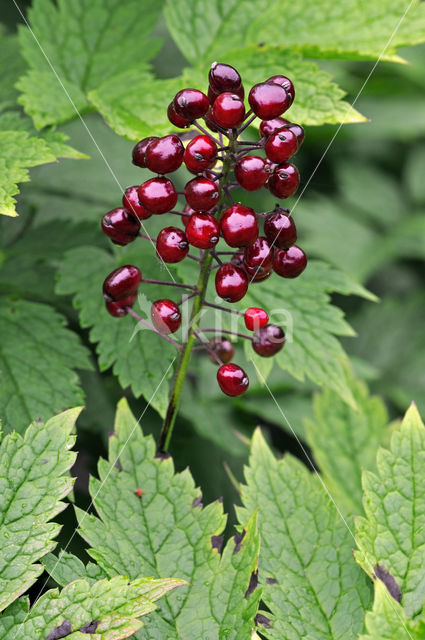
(210, 213)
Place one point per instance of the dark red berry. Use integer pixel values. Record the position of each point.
(121, 283)
(188, 210)
(298, 130)
(237, 260)
(268, 100)
(172, 244)
(284, 181)
(175, 119)
(202, 231)
(251, 172)
(222, 348)
(166, 316)
(260, 277)
(120, 309)
(191, 104)
(239, 226)
(268, 340)
(120, 226)
(165, 154)
(224, 77)
(158, 195)
(200, 154)
(232, 379)
(258, 258)
(255, 318)
(267, 127)
(131, 202)
(280, 230)
(290, 263)
(201, 194)
(280, 146)
(228, 110)
(139, 151)
(231, 283)
(213, 94)
(286, 83)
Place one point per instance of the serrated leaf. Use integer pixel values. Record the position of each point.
(387, 619)
(66, 568)
(11, 66)
(37, 357)
(392, 534)
(168, 530)
(33, 479)
(311, 584)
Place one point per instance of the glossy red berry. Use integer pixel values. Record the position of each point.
(298, 130)
(239, 226)
(158, 195)
(255, 318)
(188, 211)
(281, 145)
(210, 121)
(251, 172)
(131, 202)
(191, 104)
(280, 230)
(202, 231)
(200, 154)
(228, 110)
(232, 379)
(175, 119)
(224, 77)
(201, 194)
(172, 245)
(120, 226)
(166, 316)
(258, 258)
(222, 348)
(231, 283)
(268, 100)
(287, 84)
(267, 127)
(268, 340)
(165, 154)
(120, 308)
(260, 277)
(290, 263)
(284, 181)
(139, 151)
(121, 283)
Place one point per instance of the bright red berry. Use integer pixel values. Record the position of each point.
(222, 348)
(255, 318)
(166, 316)
(290, 263)
(231, 283)
(172, 244)
(280, 146)
(200, 154)
(232, 379)
(284, 181)
(120, 226)
(258, 258)
(139, 151)
(287, 84)
(175, 119)
(268, 100)
(268, 340)
(280, 230)
(191, 104)
(158, 195)
(131, 202)
(239, 226)
(251, 172)
(228, 110)
(224, 77)
(201, 194)
(121, 283)
(202, 231)
(165, 154)
(120, 308)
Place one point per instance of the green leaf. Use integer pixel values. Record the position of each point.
(11, 67)
(387, 619)
(66, 568)
(168, 530)
(344, 441)
(37, 357)
(311, 584)
(392, 535)
(33, 478)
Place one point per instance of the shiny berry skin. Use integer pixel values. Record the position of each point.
(120, 226)
(201, 194)
(268, 100)
(251, 172)
(287, 84)
(119, 309)
(290, 263)
(298, 130)
(260, 277)
(175, 119)
(284, 181)
(267, 127)
(255, 318)
(224, 77)
(165, 154)
(268, 340)
(228, 110)
(188, 210)
(191, 104)
(258, 258)
(131, 202)
(172, 245)
(166, 316)
(139, 151)
(213, 95)
(232, 379)
(239, 226)
(121, 283)
(280, 146)
(231, 283)
(280, 230)
(210, 122)
(158, 195)
(222, 348)
(200, 154)
(202, 231)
